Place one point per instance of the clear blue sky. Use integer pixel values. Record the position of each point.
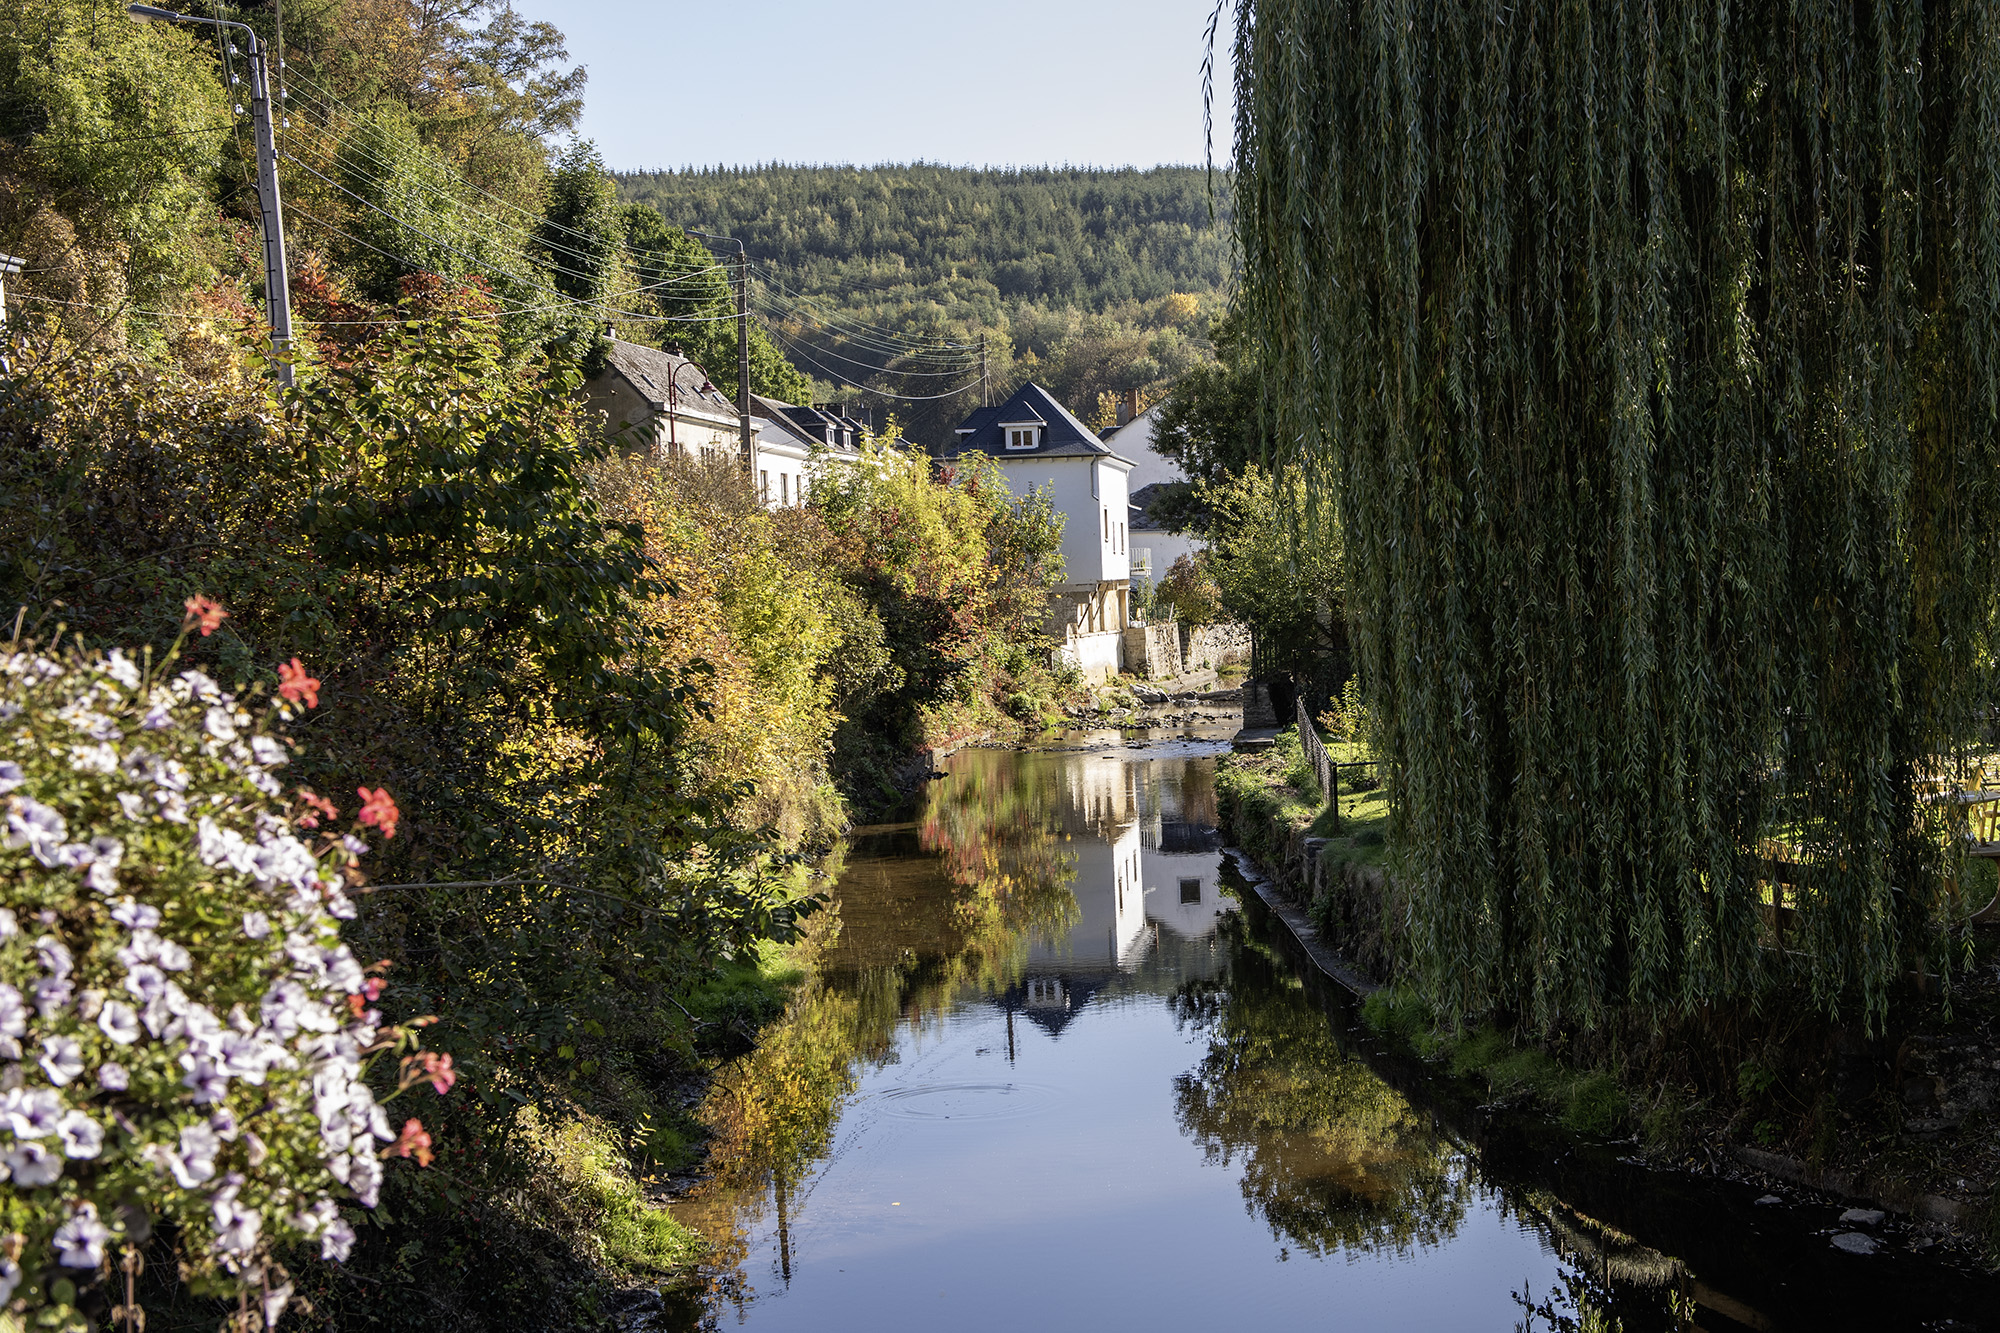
(1091, 82)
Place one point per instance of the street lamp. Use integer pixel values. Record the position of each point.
(277, 284)
(742, 338)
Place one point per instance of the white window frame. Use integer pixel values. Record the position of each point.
(1020, 436)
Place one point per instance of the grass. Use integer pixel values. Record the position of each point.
(1585, 1101)
(588, 1184)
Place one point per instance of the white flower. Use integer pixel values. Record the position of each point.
(82, 1137)
(13, 1013)
(80, 1241)
(62, 1059)
(158, 717)
(338, 1242)
(219, 724)
(365, 1176)
(54, 956)
(173, 806)
(38, 828)
(10, 1278)
(195, 1162)
(256, 925)
(51, 995)
(268, 752)
(99, 758)
(119, 667)
(135, 915)
(31, 1113)
(11, 776)
(145, 981)
(208, 1083)
(32, 1165)
(119, 1021)
(353, 845)
(9, 926)
(133, 804)
(236, 1227)
(275, 1301)
(111, 1076)
(195, 684)
(223, 1122)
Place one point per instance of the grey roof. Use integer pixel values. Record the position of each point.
(1142, 519)
(809, 425)
(652, 371)
(1063, 436)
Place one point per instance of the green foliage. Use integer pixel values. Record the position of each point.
(1087, 281)
(1189, 593)
(1651, 366)
(110, 135)
(1277, 564)
(684, 285)
(581, 236)
(1213, 422)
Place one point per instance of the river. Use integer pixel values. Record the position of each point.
(1059, 1070)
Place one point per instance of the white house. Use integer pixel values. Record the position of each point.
(792, 435)
(1039, 445)
(1154, 549)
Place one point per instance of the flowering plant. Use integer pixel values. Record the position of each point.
(184, 1039)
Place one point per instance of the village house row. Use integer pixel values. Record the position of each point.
(662, 404)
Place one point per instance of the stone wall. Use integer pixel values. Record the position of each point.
(1215, 645)
(1153, 652)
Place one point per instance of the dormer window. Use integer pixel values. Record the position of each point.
(1023, 437)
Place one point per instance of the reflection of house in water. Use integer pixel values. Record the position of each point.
(1147, 886)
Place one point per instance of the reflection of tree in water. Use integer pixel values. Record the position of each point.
(997, 826)
(1332, 1156)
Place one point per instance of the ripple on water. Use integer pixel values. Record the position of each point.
(965, 1101)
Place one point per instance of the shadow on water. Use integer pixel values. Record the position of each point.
(1051, 1070)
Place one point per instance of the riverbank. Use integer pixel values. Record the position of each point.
(1902, 1124)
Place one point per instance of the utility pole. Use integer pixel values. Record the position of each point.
(277, 281)
(984, 398)
(743, 356)
(742, 340)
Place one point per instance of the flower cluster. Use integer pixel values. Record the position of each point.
(183, 1035)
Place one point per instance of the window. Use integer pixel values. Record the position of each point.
(785, 487)
(1190, 890)
(1021, 437)
(766, 480)
(1107, 525)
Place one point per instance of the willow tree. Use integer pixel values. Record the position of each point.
(1649, 351)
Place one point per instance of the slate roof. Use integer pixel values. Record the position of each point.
(651, 371)
(1142, 519)
(1063, 436)
(809, 424)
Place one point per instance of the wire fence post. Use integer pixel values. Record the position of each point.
(1322, 762)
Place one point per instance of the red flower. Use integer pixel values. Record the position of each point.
(319, 803)
(373, 987)
(441, 1074)
(379, 809)
(414, 1142)
(201, 611)
(296, 685)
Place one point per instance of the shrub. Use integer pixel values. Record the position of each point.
(184, 1039)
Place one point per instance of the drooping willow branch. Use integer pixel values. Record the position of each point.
(1648, 350)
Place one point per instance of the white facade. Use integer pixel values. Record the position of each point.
(1092, 496)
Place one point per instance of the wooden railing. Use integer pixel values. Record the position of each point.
(1322, 762)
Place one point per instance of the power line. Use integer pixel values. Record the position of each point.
(838, 378)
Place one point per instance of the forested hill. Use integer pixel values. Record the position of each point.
(1080, 277)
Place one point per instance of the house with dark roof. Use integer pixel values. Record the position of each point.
(1154, 548)
(663, 405)
(795, 438)
(1039, 445)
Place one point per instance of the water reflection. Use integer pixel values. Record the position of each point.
(1331, 1157)
(1051, 1070)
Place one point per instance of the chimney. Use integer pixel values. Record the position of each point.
(610, 331)
(1128, 407)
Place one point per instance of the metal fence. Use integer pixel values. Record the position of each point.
(1322, 762)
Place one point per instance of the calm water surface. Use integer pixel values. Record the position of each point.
(1052, 1074)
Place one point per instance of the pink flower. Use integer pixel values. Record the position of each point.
(379, 808)
(441, 1074)
(414, 1142)
(205, 613)
(316, 803)
(295, 685)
